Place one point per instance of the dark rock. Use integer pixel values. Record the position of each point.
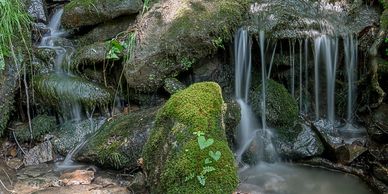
(38, 31)
(172, 152)
(381, 172)
(378, 129)
(90, 54)
(71, 134)
(120, 141)
(206, 69)
(305, 145)
(173, 35)
(86, 12)
(173, 85)
(108, 30)
(39, 154)
(232, 119)
(8, 86)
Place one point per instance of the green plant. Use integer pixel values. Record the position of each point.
(218, 42)
(187, 63)
(119, 45)
(204, 143)
(14, 26)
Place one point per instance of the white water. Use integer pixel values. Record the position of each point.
(351, 51)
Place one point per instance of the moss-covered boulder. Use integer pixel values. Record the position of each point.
(119, 142)
(175, 34)
(90, 54)
(281, 108)
(8, 86)
(90, 12)
(41, 125)
(56, 89)
(177, 160)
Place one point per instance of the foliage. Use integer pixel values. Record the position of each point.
(41, 124)
(386, 50)
(203, 143)
(119, 45)
(218, 42)
(14, 26)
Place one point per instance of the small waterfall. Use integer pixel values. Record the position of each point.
(350, 47)
(317, 50)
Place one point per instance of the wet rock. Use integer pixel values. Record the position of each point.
(90, 54)
(78, 177)
(86, 12)
(41, 125)
(345, 154)
(55, 89)
(173, 85)
(378, 129)
(173, 35)
(281, 108)
(85, 189)
(232, 120)
(172, 154)
(15, 163)
(305, 145)
(38, 30)
(120, 141)
(206, 69)
(39, 154)
(47, 58)
(71, 134)
(37, 10)
(108, 30)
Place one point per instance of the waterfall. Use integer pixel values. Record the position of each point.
(350, 48)
(317, 50)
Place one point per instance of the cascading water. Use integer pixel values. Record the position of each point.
(351, 51)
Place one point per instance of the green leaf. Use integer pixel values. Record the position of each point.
(199, 133)
(216, 156)
(116, 44)
(208, 161)
(207, 169)
(202, 180)
(191, 176)
(203, 143)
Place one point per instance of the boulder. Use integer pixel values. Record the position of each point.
(41, 125)
(90, 12)
(119, 142)
(72, 133)
(55, 89)
(187, 151)
(90, 55)
(173, 85)
(8, 86)
(345, 154)
(378, 128)
(281, 108)
(108, 30)
(37, 10)
(174, 34)
(39, 154)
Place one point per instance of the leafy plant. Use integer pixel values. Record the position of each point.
(218, 42)
(187, 63)
(119, 45)
(204, 143)
(14, 26)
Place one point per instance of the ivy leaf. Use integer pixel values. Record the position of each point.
(208, 161)
(216, 156)
(191, 176)
(207, 169)
(203, 143)
(199, 133)
(202, 180)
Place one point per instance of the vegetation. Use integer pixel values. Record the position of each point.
(187, 151)
(14, 27)
(41, 124)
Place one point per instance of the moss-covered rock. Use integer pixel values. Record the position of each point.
(41, 125)
(90, 12)
(90, 54)
(172, 156)
(282, 109)
(8, 85)
(56, 89)
(119, 142)
(175, 34)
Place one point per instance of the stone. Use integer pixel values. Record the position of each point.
(78, 177)
(378, 129)
(119, 142)
(90, 55)
(39, 154)
(174, 35)
(108, 30)
(38, 31)
(7, 177)
(172, 153)
(90, 12)
(232, 121)
(346, 154)
(85, 189)
(37, 10)
(15, 163)
(173, 85)
(8, 86)
(381, 172)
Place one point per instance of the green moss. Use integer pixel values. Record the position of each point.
(172, 152)
(41, 125)
(384, 19)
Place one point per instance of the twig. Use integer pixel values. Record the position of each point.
(17, 142)
(12, 191)
(10, 181)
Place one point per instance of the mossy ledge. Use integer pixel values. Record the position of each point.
(172, 153)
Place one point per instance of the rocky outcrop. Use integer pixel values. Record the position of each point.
(91, 12)
(119, 142)
(39, 154)
(187, 151)
(175, 34)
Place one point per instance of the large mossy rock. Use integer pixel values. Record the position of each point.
(172, 156)
(281, 108)
(174, 34)
(56, 89)
(119, 142)
(90, 55)
(8, 86)
(41, 125)
(90, 12)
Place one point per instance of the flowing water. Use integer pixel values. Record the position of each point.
(294, 179)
